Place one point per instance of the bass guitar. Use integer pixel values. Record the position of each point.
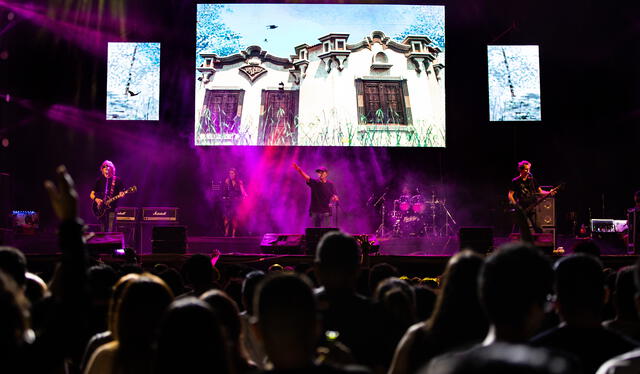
(532, 206)
(100, 209)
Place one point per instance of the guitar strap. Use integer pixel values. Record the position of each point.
(108, 190)
(113, 185)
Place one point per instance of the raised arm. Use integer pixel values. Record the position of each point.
(299, 170)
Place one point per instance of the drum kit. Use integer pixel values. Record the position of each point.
(416, 216)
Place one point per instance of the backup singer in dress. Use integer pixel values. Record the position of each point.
(523, 195)
(106, 187)
(232, 194)
(323, 192)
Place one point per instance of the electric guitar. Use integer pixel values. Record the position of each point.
(532, 206)
(100, 209)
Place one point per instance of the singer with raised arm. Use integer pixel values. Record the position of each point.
(107, 187)
(323, 193)
(524, 194)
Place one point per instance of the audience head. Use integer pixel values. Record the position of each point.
(173, 279)
(457, 304)
(227, 312)
(502, 358)
(190, 340)
(199, 271)
(286, 314)
(398, 299)
(337, 260)
(587, 246)
(276, 268)
(380, 272)
(425, 302)
(514, 284)
(101, 279)
(14, 309)
(14, 264)
(624, 294)
(249, 286)
(116, 296)
(35, 288)
(580, 288)
(138, 313)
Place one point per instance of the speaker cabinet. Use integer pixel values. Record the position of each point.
(546, 213)
(479, 239)
(169, 239)
(282, 243)
(546, 240)
(146, 233)
(131, 232)
(105, 242)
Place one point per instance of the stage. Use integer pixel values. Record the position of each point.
(413, 256)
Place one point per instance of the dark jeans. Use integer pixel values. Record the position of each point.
(107, 221)
(524, 220)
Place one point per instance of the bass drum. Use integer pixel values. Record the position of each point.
(412, 225)
(403, 204)
(418, 204)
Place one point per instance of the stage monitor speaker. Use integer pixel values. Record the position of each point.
(546, 240)
(546, 213)
(169, 239)
(478, 238)
(282, 243)
(104, 242)
(313, 236)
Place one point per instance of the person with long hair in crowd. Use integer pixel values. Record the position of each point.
(457, 320)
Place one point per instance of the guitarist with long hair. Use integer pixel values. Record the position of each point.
(524, 194)
(107, 186)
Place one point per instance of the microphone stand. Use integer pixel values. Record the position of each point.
(383, 213)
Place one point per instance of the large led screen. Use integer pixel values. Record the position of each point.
(133, 81)
(320, 75)
(514, 83)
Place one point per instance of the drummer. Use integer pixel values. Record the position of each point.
(406, 193)
(403, 203)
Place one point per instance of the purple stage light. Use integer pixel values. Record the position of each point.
(87, 38)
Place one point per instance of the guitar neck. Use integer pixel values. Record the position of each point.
(109, 201)
(543, 198)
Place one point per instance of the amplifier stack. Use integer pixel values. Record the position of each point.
(139, 224)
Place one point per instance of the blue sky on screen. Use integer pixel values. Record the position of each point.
(305, 23)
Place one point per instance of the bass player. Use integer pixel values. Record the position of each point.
(524, 194)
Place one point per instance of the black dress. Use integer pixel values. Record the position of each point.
(231, 198)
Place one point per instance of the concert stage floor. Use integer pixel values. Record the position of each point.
(414, 256)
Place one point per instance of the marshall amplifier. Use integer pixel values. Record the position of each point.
(127, 214)
(160, 214)
(152, 217)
